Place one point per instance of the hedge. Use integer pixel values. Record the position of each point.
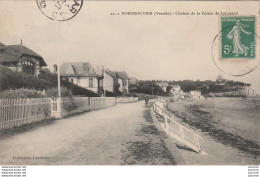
(16, 80)
(20, 93)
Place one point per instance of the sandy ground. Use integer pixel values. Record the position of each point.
(120, 135)
(229, 127)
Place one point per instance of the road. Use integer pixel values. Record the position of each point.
(119, 135)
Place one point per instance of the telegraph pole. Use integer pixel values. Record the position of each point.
(58, 70)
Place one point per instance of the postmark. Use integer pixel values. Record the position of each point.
(60, 10)
(235, 48)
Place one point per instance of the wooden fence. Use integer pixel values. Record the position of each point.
(17, 112)
(176, 130)
(20, 111)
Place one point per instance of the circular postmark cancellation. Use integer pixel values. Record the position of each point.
(60, 10)
(235, 48)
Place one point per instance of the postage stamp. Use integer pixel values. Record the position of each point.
(60, 10)
(235, 49)
(238, 39)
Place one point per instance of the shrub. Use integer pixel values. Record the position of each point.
(53, 92)
(45, 81)
(20, 93)
(110, 94)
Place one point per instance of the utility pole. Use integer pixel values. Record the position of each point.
(58, 70)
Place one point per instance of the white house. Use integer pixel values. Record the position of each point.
(196, 94)
(109, 80)
(123, 81)
(248, 91)
(82, 74)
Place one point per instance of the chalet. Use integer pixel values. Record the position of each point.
(162, 84)
(123, 81)
(21, 58)
(82, 74)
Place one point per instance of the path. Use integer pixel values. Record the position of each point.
(120, 135)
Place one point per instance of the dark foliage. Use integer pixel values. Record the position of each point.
(46, 80)
(20, 93)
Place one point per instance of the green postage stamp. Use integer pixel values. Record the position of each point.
(238, 40)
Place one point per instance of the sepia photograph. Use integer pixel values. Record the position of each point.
(129, 83)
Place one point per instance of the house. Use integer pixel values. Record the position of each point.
(175, 91)
(247, 91)
(196, 94)
(110, 79)
(176, 88)
(133, 81)
(100, 72)
(162, 84)
(82, 74)
(21, 58)
(123, 81)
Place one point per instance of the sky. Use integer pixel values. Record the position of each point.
(174, 47)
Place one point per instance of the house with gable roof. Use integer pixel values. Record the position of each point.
(21, 58)
(162, 84)
(110, 79)
(82, 74)
(123, 81)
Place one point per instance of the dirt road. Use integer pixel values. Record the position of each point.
(119, 135)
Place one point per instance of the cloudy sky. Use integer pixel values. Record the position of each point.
(148, 47)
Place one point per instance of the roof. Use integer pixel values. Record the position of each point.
(77, 69)
(175, 86)
(162, 83)
(133, 80)
(11, 53)
(122, 75)
(111, 73)
(99, 71)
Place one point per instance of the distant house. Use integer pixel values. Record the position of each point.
(123, 81)
(247, 91)
(175, 88)
(82, 74)
(133, 81)
(196, 94)
(20, 58)
(110, 79)
(175, 91)
(162, 84)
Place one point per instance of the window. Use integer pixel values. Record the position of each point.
(90, 83)
(28, 67)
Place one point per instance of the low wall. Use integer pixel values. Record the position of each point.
(74, 105)
(126, 99)
(101, 102)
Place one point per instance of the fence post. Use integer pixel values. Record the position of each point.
(56, 108)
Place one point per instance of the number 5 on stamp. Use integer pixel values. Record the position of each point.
(238, 37)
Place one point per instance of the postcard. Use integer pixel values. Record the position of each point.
(129, 83)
